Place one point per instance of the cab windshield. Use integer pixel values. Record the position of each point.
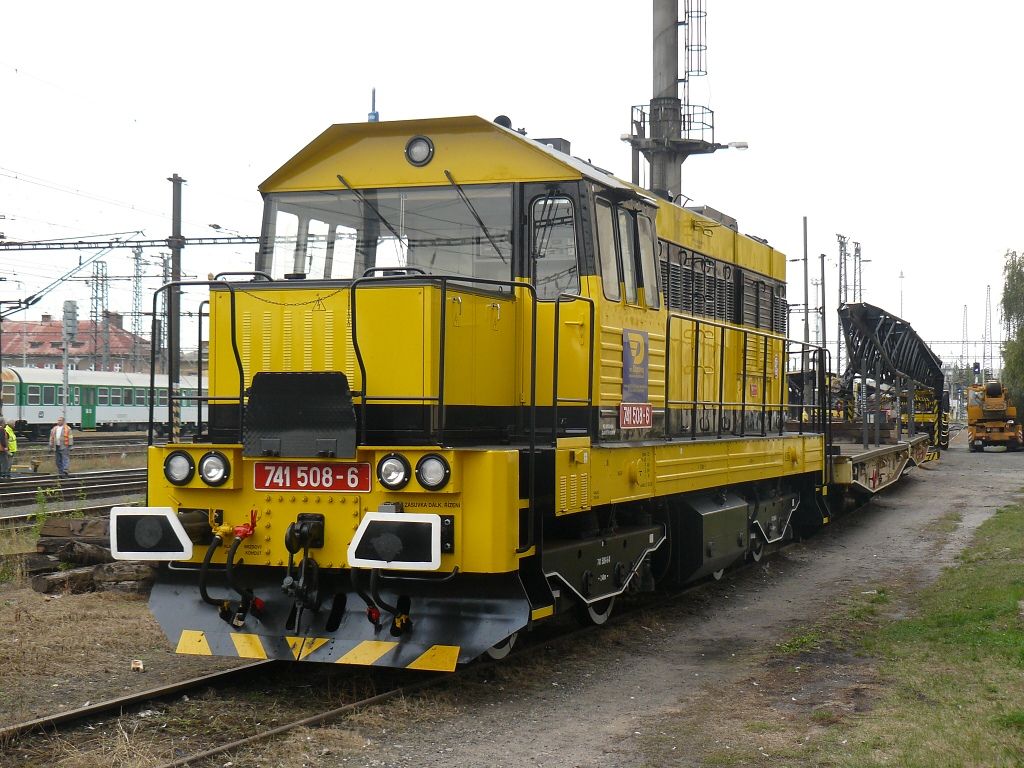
(342, 234)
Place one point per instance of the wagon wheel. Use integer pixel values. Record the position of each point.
(756, 548)
(595, 613)
(500, 650)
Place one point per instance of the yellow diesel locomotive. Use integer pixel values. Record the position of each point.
(472, 383)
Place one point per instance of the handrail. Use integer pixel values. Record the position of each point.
(199, 369)
(171, 396)
(555, 399)
(534, 521)
(767, 405)
(254, 273)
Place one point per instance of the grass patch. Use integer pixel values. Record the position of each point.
(948, 523)
(808, 641)
(953, 676)
(892, 677)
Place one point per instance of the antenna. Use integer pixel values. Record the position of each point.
(374, 116)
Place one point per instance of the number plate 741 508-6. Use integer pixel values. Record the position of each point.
(310, 476)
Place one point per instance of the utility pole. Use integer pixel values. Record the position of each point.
(843, 297)
(817, 325)
(986, 338)
(176, 243)
(807, 327)
(136, 307)
(69, 328)
(98, 313)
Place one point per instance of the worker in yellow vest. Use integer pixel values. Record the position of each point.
(12, 448)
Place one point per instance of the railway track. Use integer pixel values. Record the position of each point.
(121, 703)
(383, 685)
(46, 490)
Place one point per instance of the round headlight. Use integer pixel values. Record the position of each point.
(214, 468)
(179, 468)
(393, 471)
(419, 150)
(433, 472)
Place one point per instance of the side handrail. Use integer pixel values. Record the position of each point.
(171, 396)
(720, 330)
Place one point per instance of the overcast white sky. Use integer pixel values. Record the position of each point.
(895, 123)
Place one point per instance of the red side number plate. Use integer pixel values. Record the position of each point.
(300, 476)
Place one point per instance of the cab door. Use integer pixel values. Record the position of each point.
(565, 388)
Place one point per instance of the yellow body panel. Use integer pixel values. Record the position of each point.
(309, 329)
(630, 473)
(696, 232)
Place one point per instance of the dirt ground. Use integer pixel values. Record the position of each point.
(658, 693)
(663, 689)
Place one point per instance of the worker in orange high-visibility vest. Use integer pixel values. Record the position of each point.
(61, 441)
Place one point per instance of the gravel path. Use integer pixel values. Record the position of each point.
(600, 705)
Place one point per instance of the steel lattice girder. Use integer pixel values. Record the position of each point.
(886, 348)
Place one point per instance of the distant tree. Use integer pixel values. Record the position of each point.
(1012, 306)
(1012, 303)
(1013, 368)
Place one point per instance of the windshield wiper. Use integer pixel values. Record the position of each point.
(371, 206)
(476, 216)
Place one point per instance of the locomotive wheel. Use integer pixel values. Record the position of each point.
(499, 651)
(756, 549)
(595, 613)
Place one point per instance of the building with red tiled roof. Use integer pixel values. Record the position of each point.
(39, 344)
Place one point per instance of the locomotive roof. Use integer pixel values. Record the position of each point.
(373, 155)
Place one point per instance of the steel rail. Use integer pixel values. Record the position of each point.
(81, 713)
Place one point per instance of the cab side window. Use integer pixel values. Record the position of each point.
(648, 262)
(606, 249)
(626, 248)
(553, 233)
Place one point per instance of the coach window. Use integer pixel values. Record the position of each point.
(648, 263)
(606, 251)
(162, 397)
(8, 394)
(103, 396)
(553, 233)
(142, 397)
(628, 251)
(115, 395)
(49, 396)
(33, 394)
(128, 396)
